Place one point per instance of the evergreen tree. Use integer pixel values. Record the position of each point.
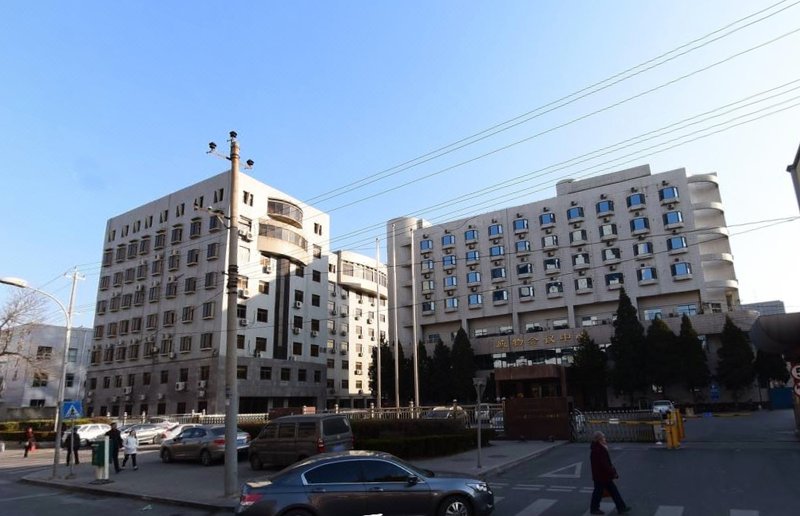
(425, 367)
(662, 355)
(387, 374)
(590, 371)
(406, 377)
(693, 369)
(627, 350)
(735, 368)
(769, 367)
(441, 372)
(463, 359)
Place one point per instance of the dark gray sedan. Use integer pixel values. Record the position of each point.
(364, 482)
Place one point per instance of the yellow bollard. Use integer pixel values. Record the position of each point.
(681, 430)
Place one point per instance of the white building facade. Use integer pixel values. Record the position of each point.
(160, 324)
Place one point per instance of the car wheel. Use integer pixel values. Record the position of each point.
(166, 456)
(205, 458)
(296, 512)
(255, 462)
(455, 506)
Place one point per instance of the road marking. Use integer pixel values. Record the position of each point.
(669, 510)
(527, 488)
(537, 507)
(41, 495)
(560, 489)
(744, 512)
(604, 506)
(571, 471)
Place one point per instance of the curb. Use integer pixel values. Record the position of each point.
(147, 498)
(500, 468)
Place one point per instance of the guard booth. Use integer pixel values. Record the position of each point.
(536, 405)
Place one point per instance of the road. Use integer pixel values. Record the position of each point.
(20, 499)
(736, 466)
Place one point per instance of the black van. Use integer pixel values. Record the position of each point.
(288, 439)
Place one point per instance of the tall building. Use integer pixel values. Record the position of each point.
(160, 324)
(29, 381)
(525, 281)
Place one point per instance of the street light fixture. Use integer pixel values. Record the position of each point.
(21, 283)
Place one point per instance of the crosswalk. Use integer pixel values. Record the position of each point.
(551, 505)
(14, 462)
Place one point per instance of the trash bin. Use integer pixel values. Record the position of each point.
(98, 453)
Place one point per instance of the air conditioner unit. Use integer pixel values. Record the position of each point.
(357, 318)
(243, 322)
(296, 331)
(243, 292)
(344, 333)
(266, 269)
(372, 339)
(262, 354)
(180, 386)
(173, 355)
(314, 333)
(298, 304)
(201, 394)
(344, 295)
(127, 390)
(90, 394)
(291, 358)
(369, 321)
(333, 311)
(161, 395)
(142, 397)
(201, 384)
(114, 399)
(343, 351)
(362, 354)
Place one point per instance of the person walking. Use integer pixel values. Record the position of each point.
(114, 445)
(72, 443)
(603, 475)
(130, 444)
(30, 441)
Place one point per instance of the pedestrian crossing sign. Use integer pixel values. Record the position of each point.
(72, 410)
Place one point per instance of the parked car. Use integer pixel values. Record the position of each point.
(173, 430)
(204, 443)
(146, 433)
(88, 432)
(291, 438)
(661, 407)
(364, 482)
(455, 413)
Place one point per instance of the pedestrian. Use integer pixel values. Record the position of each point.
(130, 445)
(30, 441)
(114, 445)
(72, 443)
(603, 475)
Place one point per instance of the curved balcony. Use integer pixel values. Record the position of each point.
(730, 283)
(711, 205)
(285, 211)
(717, 257)
(283, 241)
(704, 178)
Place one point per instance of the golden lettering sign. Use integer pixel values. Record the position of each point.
(550, 339)
(517, 343)
(501, 344)
(565, 337)
(533, 341)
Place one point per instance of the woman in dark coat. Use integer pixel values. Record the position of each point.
(603, 475)
(30, 441)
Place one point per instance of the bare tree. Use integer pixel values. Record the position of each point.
(17, 315)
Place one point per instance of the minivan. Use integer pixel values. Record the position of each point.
(288, 439)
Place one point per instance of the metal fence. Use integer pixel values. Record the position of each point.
(617, 425)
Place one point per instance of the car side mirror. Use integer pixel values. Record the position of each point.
(413, 480)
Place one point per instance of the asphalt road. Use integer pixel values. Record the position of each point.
(738, 466)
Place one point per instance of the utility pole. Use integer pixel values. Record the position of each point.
(394, 303)
(414, 323)
(378, 319)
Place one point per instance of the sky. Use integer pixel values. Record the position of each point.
(105, 106)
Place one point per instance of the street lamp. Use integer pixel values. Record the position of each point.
(20, 283)
(480, 384)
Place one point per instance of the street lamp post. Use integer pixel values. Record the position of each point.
(20, 283)
(480, 384)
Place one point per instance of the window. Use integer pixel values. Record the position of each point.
(426, 245)
(426, 265)
(642, 249)
(575, 213)
(580, 260)
(448, 240)
(498, 273)
(336, 473)
(473, 256)
(428, 306)
(546, 219)
(647, 274)
(475, 300)
(378, 471)
(195, 228)
(39, 379)
(552, 264)
(212, 251)
(316, 276)
(449, 261)
(577, 236)
(669, 193)
(193, 257)
(615, 278)
(450, 281)
(608, 230)
(471, 234)
(186, 343)
(555, 287)
(495, 230)
(262, 315)
(44, 353)
(473, 277)
(211, 280)
(611, 254)
(190, 285)
(522, 246)
(524, 269)
(550, 241)
(427, 285)
(583, 283)
(672, 217)
(208, 310)
(521, 225)
(605, 207)
(526, 292)
(681, 269)
(640, 224)
(497, 250)
(164, 376)
(676, 243)
(241, 372)
(177, 235)
(636, 200)
(451, 303)
(500, 295)
(652, 314)
(688, 309)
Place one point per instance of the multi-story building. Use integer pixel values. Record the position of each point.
(160, 324)
(525, 281)
(30, 379)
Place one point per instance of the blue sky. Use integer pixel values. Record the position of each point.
(107, 105)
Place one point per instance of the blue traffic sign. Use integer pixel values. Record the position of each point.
(72, 410)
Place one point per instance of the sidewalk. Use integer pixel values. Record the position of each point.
(190, 484)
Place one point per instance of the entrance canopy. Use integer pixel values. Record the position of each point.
(778, 334)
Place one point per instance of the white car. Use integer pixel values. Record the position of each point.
(661, 407)
(88, 432)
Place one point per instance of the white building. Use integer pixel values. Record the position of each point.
(160, 324)
(525, 281)
(29, 382)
